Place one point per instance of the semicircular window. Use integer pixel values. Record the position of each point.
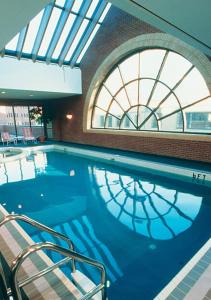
(153, 90)
(147, 208)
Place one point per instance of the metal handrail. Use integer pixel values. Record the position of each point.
(16, 264)
(40, 226)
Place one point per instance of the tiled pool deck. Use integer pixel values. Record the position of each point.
(193, 282)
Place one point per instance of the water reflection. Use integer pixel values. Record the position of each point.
(23, 169)
(147, 208)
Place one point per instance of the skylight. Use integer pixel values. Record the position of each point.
(61, 33)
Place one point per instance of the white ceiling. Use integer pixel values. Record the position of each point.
(188, 20)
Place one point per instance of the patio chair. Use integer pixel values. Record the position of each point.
(6, 138)
(28, 135)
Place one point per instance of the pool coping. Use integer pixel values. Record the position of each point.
(24, 153)
(173, 287)
(190, 175)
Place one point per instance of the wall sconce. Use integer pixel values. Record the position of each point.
(69, 116)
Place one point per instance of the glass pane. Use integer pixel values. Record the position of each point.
(127, 124)
(88, 43)
(160, 92)
(7, 120)
(198, 117)
(172, 123)
(192, 88)
(103, 99)
(77, 6)
(49, 31)
(145, 88)
(150, 62)
(132, 92)
(105, 12)
(12, 45)
(32, 33)
(92, 8)
(132, 114)
(114, 82)
(63, 36)
(151, 123)
(122, 98)
(169, 106)
(60, 2)
(130, 68)
(36, 121)
(98, 119)
(21, 118)
(174, 69)
(112, 122)
(116, 110)
(77, 39)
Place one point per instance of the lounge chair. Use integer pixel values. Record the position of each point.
(6, 138)
(28, 135)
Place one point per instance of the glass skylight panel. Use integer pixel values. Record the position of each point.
(64, 35)
(32, 33)
(49, 31)
(92, 8)
(104, 12)
(42, 28)
(88, 43)
(76, 6)
(77, 39)
(60, 2)
(12, 45)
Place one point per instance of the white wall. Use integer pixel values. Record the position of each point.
(25, 75)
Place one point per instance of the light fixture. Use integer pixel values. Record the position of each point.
(69, 116)
(31, 95)
(3, 92)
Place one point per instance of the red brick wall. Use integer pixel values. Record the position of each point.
(118, 28)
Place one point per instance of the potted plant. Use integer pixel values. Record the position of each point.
(42, 115)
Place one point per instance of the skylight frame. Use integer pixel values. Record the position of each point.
(90, 10)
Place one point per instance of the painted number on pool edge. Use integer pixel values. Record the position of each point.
(199, 178)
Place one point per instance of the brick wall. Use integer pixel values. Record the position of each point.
(118, 28)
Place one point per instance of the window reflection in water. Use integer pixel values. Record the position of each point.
(23, 169)
(147, 208)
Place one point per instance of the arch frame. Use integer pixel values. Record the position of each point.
(140, 43)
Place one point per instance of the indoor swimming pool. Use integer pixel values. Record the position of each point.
(142, 226)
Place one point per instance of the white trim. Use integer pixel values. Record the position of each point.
(162, 169)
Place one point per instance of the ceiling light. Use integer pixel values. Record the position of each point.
(3, 92)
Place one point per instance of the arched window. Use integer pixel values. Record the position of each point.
(153, 90)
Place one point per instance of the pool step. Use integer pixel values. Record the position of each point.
(54, 285)
(84, 284)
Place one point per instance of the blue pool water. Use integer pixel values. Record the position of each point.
(142, 227)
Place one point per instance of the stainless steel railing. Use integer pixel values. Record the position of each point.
(69, 254)
(40, 226)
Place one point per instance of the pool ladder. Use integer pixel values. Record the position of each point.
(70, 256)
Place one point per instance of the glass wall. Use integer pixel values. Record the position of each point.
(154, 90)
(14, 118)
